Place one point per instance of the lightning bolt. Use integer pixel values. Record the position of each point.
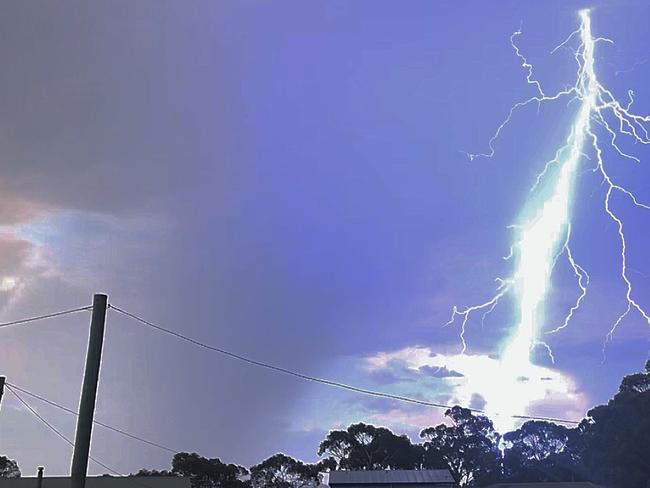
(545, 233)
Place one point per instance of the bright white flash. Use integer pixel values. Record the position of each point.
(545, 234)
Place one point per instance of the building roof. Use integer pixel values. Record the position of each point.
(397, 476)
(547, 484)
(100, 482)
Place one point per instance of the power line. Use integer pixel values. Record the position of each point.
(39, 417)
(55, 430)
(13, 388)
(324, 381)
(46, 316)
(102, 424)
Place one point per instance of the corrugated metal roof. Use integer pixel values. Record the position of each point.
(100, 482)
(547, 484)
(396, 476)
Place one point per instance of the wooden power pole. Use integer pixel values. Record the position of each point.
(2, 388)
(89, 393)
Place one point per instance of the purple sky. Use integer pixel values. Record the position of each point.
(286, 180)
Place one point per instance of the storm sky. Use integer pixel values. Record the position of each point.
(287, 180)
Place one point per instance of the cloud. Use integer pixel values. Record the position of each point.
(21, 263)
(374, 404)
(14, 253)
(413, 420)
(440, 372)
(388, 377)
(478, 381)
(18, 210)
(413, 357)
(477, 402)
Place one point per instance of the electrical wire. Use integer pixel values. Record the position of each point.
(323, 381)
(46, 316)
(132, 479)
(55, 430)
(102, 424)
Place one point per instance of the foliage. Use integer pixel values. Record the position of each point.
(282, 471)
(470, 446)
(154, 472)
(540, 451)
(8, 468)
(209, 473)
(363, 446)
(614, 441)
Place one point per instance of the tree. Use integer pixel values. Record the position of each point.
(209, 473)
(469, 446)
(539, 451)
(154, 472)
(282, 471)
(8, 468)
(614, 441)
(430, 458)
(637, 382)
(363, 446)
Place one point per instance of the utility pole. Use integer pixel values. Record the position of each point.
(89, 393)
(2, 388)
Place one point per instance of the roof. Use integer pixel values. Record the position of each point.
(547, 484)
(397, 476)
(100, 482)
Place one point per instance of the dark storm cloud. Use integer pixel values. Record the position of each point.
(92, 118)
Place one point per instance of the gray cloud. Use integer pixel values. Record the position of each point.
(440, 372)
(477, 402)
(16, 210)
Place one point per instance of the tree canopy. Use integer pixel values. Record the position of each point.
(470, 446)
(282, 471)
(8, 468)
(613, 442)
(209, 473)
(540, 451)
(363, 446)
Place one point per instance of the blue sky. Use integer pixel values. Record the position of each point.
(288, 181)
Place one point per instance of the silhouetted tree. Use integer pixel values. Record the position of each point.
(614, 441)
(636, 383)
(209, 473)
(363, 446)
(424, 458)
(154, 472)
(8, 468)
(282, 471)
(470, 446)
(539, 451)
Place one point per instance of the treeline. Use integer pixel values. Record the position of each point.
(611, 446)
